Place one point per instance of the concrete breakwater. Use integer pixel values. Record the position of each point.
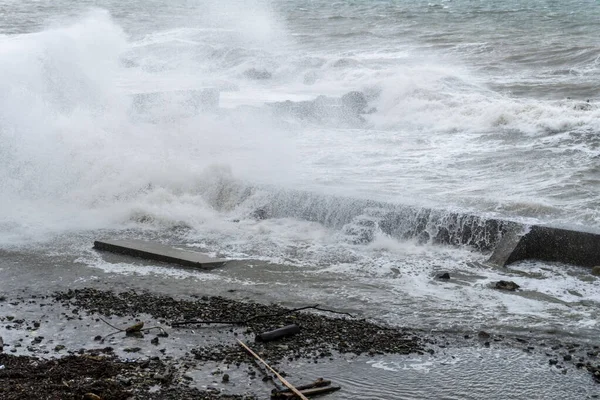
(507, 241)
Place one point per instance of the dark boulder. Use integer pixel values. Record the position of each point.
(443, 276)
(260, 214)
(506, 285)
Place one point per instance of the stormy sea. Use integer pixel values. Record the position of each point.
(323, 146)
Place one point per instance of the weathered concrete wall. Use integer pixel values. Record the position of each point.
(508, 240)
(399, 221)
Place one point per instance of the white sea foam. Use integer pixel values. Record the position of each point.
(76, 155)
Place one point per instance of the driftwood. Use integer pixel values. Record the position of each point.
(246, 321)
(278, 333)
(318, 383)
(306, 392)
(281, 378)
(134, 329)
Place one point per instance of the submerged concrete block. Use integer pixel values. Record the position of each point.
(547, 243)
(159, 252)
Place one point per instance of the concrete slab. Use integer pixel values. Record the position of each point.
(506, 247)
(548, 244)
(159, 252)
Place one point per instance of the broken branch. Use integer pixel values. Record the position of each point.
(135, 328)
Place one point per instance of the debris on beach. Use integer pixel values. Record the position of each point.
(135, 328)
(318, 387)
(275, 334)
(277, 374)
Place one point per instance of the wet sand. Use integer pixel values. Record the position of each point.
(59, 346)
(53, 345)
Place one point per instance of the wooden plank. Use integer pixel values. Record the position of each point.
(307, 392)
(318, 383)
(159, 252)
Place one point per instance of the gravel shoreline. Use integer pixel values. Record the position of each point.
(164, 362)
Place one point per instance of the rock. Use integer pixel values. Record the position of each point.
(583, 106)
(132, 349)
(97, 338)
(257, 74)
(568, 357)
(1, 345)
(354, 102)
(596, 271)
(225, 378)
(59, 347)
(154, 341)
(444, 275)
(483, 335)
(136, 334)
(260, 214)
(506, 285)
